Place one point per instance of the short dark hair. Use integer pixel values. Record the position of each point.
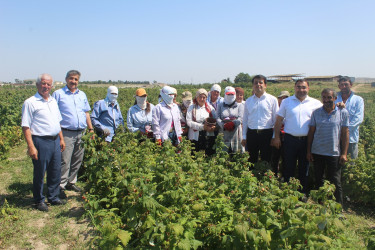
(72, 72)
(301, 81)
(345, 79)
(262, 77)
(327, 90)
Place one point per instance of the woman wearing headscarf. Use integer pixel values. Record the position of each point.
(240, 95)
(140, 114)
(106, 115)
(201, 119)
(229, 119)
(187, 100)
(166, 123)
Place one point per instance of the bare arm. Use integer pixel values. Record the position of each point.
(344, 139)
(62, 142)
(88, 121)
(275, 142)
(310, 138)
(31, 150)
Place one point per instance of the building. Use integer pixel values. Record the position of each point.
(284, 78)
(323, 78)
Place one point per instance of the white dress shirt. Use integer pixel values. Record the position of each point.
(200, 116)
(297, 114)
(259, 113)
(40, 116)
(162, 117)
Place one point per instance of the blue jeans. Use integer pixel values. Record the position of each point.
(295, 148)
(353, 150)
(49, 159)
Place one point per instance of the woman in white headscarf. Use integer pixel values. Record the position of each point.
(140, 114)
(230, 114)
(106, 115)
(201, 131)
(166, 123)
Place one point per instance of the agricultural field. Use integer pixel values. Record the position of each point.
(140, 195)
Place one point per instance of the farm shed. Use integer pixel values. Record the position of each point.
(323, 78)
(284, 78)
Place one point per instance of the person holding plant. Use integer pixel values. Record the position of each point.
(106, 115)
(229, 119)
(328, 141)
(140, 114)
(201, 119)
(166, 123)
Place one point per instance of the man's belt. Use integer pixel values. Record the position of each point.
(47, 137)
(72, 130)
(297, 137)
(258, 131)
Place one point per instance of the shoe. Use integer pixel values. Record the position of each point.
(73, 187)
(62, 194)
(58, 202)
(42, 206)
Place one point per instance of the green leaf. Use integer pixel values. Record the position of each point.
(124, 236)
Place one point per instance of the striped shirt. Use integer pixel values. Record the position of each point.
(328, 130)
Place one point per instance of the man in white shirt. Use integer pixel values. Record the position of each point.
(296, 113)
(45, 142)
(258, 121)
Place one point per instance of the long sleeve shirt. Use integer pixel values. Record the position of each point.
(137, 118)
(162, 118)
(259, 113)
(355, 107)
(105, 115)
(200, 116)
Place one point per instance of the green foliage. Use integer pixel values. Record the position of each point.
(242, 78)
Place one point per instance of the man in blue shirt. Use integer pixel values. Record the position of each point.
(355, 106)
(328, 140)
(74, 108)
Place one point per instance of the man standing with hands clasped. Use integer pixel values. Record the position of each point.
(41, 127)
(328, 140)
(74, 108)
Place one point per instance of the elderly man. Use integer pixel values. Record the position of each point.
(258, 121)
(106, 115)
(355, 106)
(41, 127)
(74, 108)
(296, 113)
(328, 141)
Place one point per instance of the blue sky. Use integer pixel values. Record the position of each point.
(187, 41)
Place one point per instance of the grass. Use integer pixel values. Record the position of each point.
(24, 227)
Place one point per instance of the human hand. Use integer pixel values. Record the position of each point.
(309, 157)
(275, 142)
(343, 159)
(106, 132)
(340, 105)
(33, 153)
(243, 143)
(62, 145)
(158, 142)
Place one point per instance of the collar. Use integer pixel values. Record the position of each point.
(39, 97)
(333, 111)
(295, 98)
(66, 89)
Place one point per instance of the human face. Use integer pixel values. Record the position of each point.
(72, 82)
(44, 87)
(328, 100)
(301, 90)
(214, 95)
(201, 99)
(345, 86)
(239, 97)
(259, 87)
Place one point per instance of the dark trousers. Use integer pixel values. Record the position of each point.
(258, 142)
(49, 159)
(278, 153)
(295, 148)
(205, 143)
(330, 165)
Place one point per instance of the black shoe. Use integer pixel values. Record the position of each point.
(42, 206)
(58, 202)
(62, 194)
(73, 187)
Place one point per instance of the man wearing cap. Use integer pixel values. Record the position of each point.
(258, 121)
(140, 114)
(166, 123)
(74, 108)
(45, 142)
(355, 106)
(278, 152)
(296, 112)
(106, 115)
(214, 97)
(187, 99)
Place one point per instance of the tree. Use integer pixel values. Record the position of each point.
(242, 77)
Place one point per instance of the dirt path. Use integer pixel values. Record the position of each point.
(24, 227)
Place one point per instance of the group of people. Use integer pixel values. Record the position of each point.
(296, 128)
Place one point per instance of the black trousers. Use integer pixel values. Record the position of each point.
(258, 142)
(205, 143)
(330, 165)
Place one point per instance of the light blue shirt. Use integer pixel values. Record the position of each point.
(355, 107)
(137, 118)
(328, 130)
(73, 108)
(40, 116)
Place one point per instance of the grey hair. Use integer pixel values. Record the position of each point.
(328, 90)
(72, 72)
(39, 79)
